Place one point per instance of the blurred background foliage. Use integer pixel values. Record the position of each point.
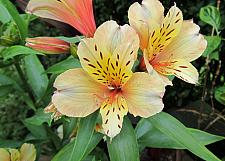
(201, 106)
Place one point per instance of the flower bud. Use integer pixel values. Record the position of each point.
(48, 45)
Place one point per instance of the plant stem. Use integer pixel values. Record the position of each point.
(22, 77)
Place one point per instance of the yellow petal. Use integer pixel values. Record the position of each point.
(14, 155)
(27, 152)
(188, 45)
(143, 94)
(109, 56)
(4, 155)
(161, 37)
(112, 115)
(145, 18)
(180, 68)
(77, 95)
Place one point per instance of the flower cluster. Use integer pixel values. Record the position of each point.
(108, 53)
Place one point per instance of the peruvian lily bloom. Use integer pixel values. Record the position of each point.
(77, 13)
(48, 45)
(169, 44)
(27, 152)
(107, 81)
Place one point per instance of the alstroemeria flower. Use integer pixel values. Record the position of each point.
(48, 45)
(27, 152)
(169, 44)
(77, 13)
(106, 80)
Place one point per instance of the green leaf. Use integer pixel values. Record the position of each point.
(36, 75)
(5, 90)
(211, 16)
(213, 43)
(21, 24)
(175, 130)
(69, 125)
(5, 80)
(124, 146)
(85, 141)
(40, 117)
(10, 143)
(4, 15)
(38, 131)
(64, 65)
(220, 94)
(150, 136)
(71, 39)
(16, 50)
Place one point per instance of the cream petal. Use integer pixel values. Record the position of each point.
(28, 152)
(143, 94)
(77, 95)
(4, 155)
(188, 45)
(112, 115)
(180, 68)
(145, 17)
(109, 56)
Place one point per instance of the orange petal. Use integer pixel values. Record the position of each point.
(112, 115)
(153, 73)
(109, 56)
(180, 68)
(77, 13)
(143, 94)
(77, 95)
(188, 45)
(145, 18)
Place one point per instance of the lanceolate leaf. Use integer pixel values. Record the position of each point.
(148, 135)
(175, 130)
(16, 50)
(21, 24)
(4, 15)
(220, 94)
(124, 146)
(36, 75)
(85, 141)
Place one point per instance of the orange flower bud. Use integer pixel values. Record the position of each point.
(48, 45)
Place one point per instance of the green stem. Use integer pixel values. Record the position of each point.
(22, 77)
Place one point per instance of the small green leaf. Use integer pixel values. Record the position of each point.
(213, 43)
(85, 141)
(21, 24)
(71, 39)
(40, 117)
(220, 94)
(150, 136)
(69, 125)
(124, 146)
(16, 50)
(37, 78)
(211, 16)
(175, 130)
(64, 65)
